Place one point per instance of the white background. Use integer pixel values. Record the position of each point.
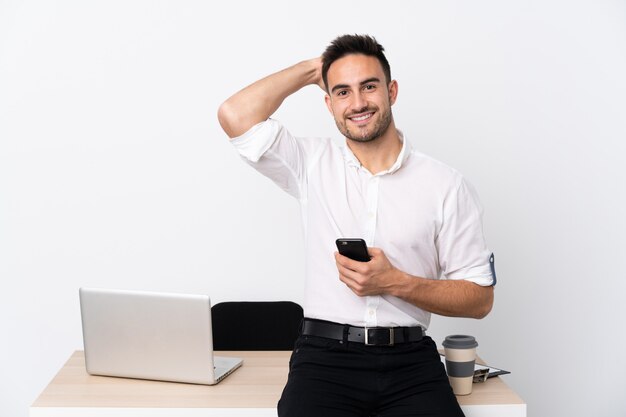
(114, 171)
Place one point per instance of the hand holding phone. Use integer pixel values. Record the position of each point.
(353, 248)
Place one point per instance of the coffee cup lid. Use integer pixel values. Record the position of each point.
(460, 341)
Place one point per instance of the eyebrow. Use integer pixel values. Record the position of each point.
(367, 81)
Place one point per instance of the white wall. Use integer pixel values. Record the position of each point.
(114, 171)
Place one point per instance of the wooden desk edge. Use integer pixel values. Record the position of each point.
(67, 386)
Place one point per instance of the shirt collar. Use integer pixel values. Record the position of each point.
(352, 160)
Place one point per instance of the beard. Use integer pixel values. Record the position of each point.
(363, 135)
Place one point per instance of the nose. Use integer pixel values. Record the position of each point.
(359, 103)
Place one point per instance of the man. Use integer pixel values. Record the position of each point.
(363, 350)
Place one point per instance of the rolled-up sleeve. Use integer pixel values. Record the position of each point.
(270, 149)
(257, 140)
(461, 245)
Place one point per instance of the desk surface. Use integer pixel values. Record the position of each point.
(254, 389)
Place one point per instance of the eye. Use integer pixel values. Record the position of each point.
(342, 93)
(369, 87)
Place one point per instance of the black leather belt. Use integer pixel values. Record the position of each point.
(371, 336)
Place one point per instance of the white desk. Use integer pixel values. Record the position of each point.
(252, 390)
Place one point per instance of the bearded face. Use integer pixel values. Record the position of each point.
(359, 97)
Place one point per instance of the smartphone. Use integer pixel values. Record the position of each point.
(353, 248)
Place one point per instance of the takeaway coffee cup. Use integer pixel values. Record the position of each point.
(460, 351)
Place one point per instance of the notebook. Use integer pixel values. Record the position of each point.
(150, 335)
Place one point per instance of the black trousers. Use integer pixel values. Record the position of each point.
(331, 378)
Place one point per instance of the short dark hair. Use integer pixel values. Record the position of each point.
(354, 44)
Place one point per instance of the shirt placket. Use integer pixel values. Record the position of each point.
(372, 302)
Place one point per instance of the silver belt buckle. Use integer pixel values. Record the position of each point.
(367, 339)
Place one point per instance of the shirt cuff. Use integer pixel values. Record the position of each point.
(484, 281)
(484, 275)
(257, 140)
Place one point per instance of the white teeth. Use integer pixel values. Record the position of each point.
(360, 118)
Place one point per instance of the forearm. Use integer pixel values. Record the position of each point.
(456, 298)
(260, 100)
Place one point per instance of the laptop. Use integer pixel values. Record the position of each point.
(149, 335)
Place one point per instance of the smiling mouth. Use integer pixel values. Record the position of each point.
(361, 117)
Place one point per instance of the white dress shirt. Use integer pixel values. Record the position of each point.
(423, 214)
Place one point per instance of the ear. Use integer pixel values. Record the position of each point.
(393, 92)
(328, 103)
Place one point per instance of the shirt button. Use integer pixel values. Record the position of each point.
(371, 312)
